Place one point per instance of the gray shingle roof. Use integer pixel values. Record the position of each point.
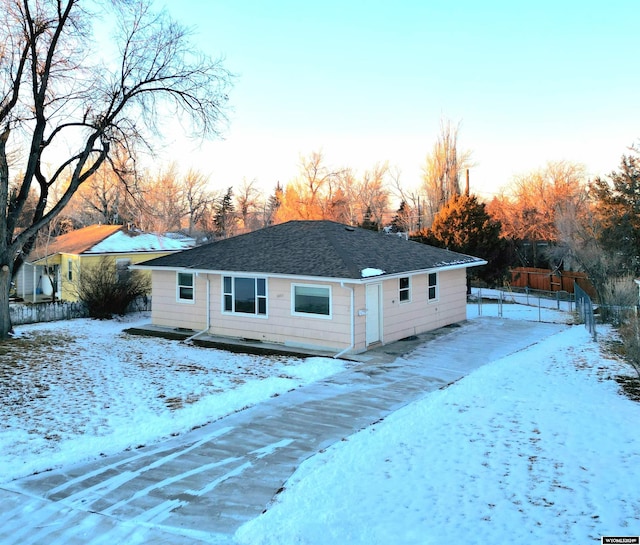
(314, 248)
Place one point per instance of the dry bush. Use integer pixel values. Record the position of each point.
(106, 293)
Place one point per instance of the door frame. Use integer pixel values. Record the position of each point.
(373, 317)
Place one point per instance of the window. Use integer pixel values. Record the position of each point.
(122, 269)
(245, 295)
(314, 300)
(405, 289)
(70, 270)
(185, 286)
(432, 279)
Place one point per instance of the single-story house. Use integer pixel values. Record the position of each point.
(317, 285)
(54, 266)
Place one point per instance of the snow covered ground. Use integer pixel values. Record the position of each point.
(539, 445)
(74, 390)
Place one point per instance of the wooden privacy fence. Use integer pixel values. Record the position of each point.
(548, 280)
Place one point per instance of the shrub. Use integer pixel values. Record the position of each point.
(106, 292)
(630, 336)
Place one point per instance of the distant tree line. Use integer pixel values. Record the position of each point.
(553, 217)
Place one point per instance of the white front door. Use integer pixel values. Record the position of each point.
(372, 329)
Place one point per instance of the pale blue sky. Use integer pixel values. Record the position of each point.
(369, 81)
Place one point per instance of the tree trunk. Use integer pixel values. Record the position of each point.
(5, 316)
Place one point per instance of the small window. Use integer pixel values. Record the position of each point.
(185, 286)
(244, 295)
(122, 269)
(432, 286)
(314, 300)
(70, 270)
(405, 289)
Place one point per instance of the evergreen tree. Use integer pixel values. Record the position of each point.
(463, 225)
(225, 216)
(368, 222)
(273, 205)
(617, 211)
(401, 222)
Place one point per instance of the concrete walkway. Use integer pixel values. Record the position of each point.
(200, 487)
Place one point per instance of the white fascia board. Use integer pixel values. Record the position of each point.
(365, 280)
(452, 267)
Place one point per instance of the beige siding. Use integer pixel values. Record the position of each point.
(281, 326)
(360, 318)
(419, 315)
(166, 310)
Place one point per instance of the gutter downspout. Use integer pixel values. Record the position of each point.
(208, 314)
(353, 323)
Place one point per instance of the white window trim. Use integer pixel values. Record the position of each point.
(437, 287)
(407, 289)
(308, 314)
(245, 314)
(193, 287)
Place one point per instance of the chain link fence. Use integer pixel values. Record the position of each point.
(540, 304)
(523, 303)
(584, 306)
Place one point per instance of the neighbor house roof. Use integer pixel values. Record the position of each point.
(315, 248)
(75, 242)
(106, 239)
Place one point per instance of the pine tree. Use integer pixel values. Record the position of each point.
(273, 205)
(225, 217)
(463, 225)
(368, 222)
(617, 211)
(401, 222)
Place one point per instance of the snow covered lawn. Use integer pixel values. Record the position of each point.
(538, 447)
(74, 390)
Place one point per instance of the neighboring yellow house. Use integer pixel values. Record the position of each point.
(56, 266)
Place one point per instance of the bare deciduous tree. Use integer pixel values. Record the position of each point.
(248, 203)
(373, 194)
(160, 201)
(535, 202)
(103, 199)
(443, 168)
(197, 197)
(60, 104)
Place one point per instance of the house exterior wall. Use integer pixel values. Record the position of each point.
(26, 280)
(167, 311)
(418, 315)
(280, 325)
(69, 263)
(75, 263)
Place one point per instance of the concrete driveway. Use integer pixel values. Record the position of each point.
(200, 487)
